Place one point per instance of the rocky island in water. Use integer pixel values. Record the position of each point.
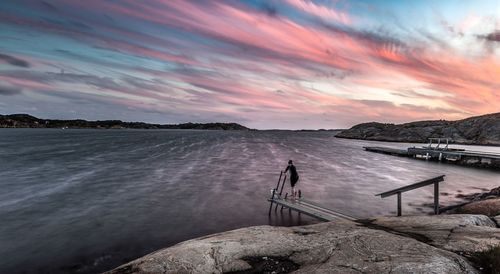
(479, 130)
(28, 121)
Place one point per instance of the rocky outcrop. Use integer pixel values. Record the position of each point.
(335, 247)
(493, 193)
(489, 207)
(485, 203)
(458, 233)
(28, 121)
(482, 130)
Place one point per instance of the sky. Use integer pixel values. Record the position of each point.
(291, 64)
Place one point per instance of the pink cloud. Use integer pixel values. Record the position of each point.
(259, 61)
(24, 83)
(323, 12)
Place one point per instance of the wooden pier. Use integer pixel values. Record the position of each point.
(301, 205)
(444, 154)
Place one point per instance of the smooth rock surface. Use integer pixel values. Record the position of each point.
(334, 247)
(489, 207)
(458, 233)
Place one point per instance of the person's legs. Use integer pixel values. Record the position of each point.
(293, 183)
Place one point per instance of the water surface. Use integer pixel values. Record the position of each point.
(84, 201)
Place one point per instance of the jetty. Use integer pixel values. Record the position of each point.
(322, 213)
(388, 150)
(301, 205)
(310, 208)
(438, 150)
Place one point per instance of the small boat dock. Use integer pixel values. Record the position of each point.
(310, 208)
(322, 213)
(435, 152)
(301, 205)
(388, 150)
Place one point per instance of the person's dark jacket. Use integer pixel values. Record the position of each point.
(294, 176)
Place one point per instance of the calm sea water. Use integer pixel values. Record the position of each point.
(84, 201)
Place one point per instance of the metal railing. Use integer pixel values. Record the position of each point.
(399, 191)
(438, 141)
(274, 191)
(302, 206)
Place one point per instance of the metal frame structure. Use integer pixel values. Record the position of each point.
(399, 192)
(301, 205)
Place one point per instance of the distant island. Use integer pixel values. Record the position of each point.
(479, 130)
(28, 121)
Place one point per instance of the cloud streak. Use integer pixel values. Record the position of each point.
(14, 61)
(9, 91)
(228, 59)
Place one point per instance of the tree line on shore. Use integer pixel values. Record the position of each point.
(28, 121)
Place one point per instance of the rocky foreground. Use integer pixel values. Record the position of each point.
(480, 130)
(485, 203)
(466, 239)
(410, 244)
(334, 247)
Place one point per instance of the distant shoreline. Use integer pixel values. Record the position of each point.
(28, 121)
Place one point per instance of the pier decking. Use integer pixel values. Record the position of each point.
(450, 155)
(454, 155)
(388, 150)
(311, 209)
(301, 205)
(322, 213)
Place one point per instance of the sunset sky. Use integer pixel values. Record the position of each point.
(265, 64)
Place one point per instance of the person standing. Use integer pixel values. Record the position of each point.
(294, 177)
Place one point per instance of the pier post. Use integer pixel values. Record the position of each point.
(272, 197)
(275, 190)
(286, 195)
(399, 191)
(436, 198)
(399, 203)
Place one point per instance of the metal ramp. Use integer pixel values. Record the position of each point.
(303, 206)
(311, 209)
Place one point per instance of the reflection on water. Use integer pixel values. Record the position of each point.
(88, 200)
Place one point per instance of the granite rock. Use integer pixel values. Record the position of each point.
(458, 233)
(334, 247)
(488, 207)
